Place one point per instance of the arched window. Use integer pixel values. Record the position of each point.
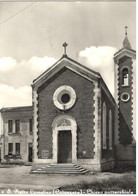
(104, 125)
(125, 78)
(110, 129)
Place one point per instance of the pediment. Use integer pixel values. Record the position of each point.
(68, 63)
(124, 52)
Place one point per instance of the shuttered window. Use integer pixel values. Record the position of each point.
(10, 126)
(30, 126)
(10, 148)
(17, 126)
(17, 148)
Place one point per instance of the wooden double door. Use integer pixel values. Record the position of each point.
(64, 147)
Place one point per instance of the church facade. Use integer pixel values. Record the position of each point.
(76, 120)
(73, 116)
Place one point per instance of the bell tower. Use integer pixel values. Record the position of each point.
(125, 95)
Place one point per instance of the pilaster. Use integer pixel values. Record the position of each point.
(116, 84)
(97, 123)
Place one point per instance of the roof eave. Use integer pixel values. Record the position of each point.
(71, 61)
(20, 108)
(125, 50)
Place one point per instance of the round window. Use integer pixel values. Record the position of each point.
(64, 97)
(125, 97)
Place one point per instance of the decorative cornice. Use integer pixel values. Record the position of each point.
(17, 109)
(124, 52)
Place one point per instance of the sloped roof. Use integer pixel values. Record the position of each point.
(69, 63)
(17, 109)
(126, 49)
(126, 43)
(83, 69)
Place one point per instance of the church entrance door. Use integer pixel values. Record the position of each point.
(64, 147)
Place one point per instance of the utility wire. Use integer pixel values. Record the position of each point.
(7, 19)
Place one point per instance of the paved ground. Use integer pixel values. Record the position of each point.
(18, 177)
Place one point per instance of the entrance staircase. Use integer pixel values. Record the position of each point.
(59, 169)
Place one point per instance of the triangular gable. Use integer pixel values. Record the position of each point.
(69, 64)
(125, 52)
(75, 67)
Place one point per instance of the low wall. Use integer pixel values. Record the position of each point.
(108, 165)
(126, 155)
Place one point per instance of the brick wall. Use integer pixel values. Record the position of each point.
(82, 111)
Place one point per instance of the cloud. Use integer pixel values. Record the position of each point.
(41, 64)
(100, 59)
(16, 77)
(10, 96)
(7, 63)
(25, 71)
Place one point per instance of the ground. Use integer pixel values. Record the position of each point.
(16, 179)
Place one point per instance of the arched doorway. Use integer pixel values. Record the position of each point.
(64, 139)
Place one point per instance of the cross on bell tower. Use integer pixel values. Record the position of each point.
(126, 43)
(65, 45)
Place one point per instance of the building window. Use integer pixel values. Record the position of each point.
(30, 125)
(17, 148)
(17, 126)
(104, 125)
(10, 126)
(10, 149)
(125, 78)
(110, 129)
(64, 97)
(125, 97)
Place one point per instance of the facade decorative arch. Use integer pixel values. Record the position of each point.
(66, 123)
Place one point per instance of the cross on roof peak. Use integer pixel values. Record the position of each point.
(126, 30)
(65, 45)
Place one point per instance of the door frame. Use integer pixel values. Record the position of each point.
(58, 144)
(64, 123)
(30, 145)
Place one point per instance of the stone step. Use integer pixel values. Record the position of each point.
(58, 172)
(59, 169)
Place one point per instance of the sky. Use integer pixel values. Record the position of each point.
(32, 34)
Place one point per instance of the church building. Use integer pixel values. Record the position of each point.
(73, 117)
(76, 120)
